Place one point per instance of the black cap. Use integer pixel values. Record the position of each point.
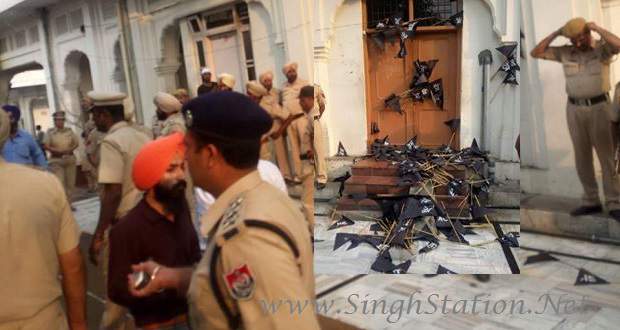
(226, 115)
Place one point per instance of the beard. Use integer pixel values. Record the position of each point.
(173, 198)
(161, 115)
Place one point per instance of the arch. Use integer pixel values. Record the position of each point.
(78, 81)
(169, 44)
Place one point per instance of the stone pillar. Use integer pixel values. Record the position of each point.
(167, 76)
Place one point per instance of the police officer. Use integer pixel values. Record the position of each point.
(225, 82)
(119, 195)
(290, 103)
(586, 67)
(256, 92)
(259, 247)
(39, 242)
(270, 102)
(316, 113)
(61, 141)
(169, 110)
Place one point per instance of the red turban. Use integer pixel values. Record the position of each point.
(154, 158)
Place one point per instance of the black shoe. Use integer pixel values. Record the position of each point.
(73, 208)
(321, 186)
(615, 214)
(586, 210)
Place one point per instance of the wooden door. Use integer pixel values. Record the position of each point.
(387, 74)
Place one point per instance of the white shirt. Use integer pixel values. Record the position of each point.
(268, 171)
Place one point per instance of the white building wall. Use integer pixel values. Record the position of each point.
(547, 151)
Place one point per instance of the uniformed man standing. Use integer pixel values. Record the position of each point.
(270, 102)
(256, 92)
(169, 109)
(39, 242)
(90, 164)
(118, 150)
(61, 141)
(316, 113)
(308, 151)
(290, 103)
(586, 67)
(259, 249)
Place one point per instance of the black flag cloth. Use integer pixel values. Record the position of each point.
(541, 257)
(507, 50)
(586, 278)
(342, 152)
(437, 92)
(443, 270)
(344, 221)
(393, 102)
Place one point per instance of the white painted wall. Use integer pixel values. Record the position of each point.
(345, 116)
(547, 151)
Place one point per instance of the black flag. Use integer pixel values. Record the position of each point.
(507, 50)
(541, 257)
(343, 222)
(586, 278)
(393, 102)
(456, 19)
(341, 151)
(454, 124)
(511, 78)
(443, 270)
(437, 92)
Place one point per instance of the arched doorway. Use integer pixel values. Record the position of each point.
(171, 68)
(23, 85)
(78, 81)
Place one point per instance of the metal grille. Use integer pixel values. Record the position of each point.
(435, 8)
(378, 10)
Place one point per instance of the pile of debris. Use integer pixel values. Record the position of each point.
(448, 202)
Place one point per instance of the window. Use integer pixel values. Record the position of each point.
(108, 9)
(20, 39)
(221, 18)
(77, 20)
(61, 25)
(4, 45)
(201, 53)
(242, 12)
(435, 8)
(249, 55)
(378, 10)
(33, 34)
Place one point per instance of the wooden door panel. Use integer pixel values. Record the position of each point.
(388, 74)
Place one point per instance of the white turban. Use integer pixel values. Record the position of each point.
(167, 103)
(227, 79)
(288, 66)
(255, 88)
(265, 75)
(205, 71)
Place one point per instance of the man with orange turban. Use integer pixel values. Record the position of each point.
(159, 228)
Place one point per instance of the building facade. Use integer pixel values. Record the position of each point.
(144, 46)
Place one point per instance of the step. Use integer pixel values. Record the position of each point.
(371, 167)
(328, 193)
(550, 215)
(505, 194)
(372, 185)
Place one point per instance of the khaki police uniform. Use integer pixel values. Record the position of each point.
(589, 116)
(255, 255)
(91, 160)
(64, 167)
(305, 130)
(174, 123)
(319, 144)
(290, 105)
(36, 226)
(270, 103)
(117, 152)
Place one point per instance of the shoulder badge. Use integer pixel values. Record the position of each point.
(230, 216)
(240, 282)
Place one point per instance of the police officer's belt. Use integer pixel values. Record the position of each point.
(591, 101)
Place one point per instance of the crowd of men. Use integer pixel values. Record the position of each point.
(195, 229)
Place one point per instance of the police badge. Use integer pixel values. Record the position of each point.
(240, 282)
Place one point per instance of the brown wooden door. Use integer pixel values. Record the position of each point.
(387, 74)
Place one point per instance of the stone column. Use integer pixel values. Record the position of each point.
(167, 78)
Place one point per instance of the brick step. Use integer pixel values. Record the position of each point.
(373, 185)
(371, 167)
